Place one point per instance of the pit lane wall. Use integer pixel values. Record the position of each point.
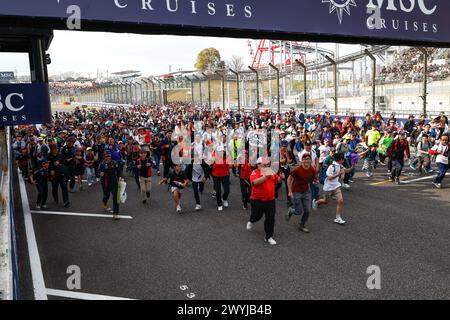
(8, 260)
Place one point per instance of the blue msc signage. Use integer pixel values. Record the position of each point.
(7, 76)
(398, 20)
(24, 104)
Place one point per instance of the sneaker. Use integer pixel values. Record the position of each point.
(158, 173)
(339, 221)
(389, 172)
(249, 226)
(303, 228)
(116, 217)
(270, 241)
(368, 174)
(397, 180)
(437, 185)
(346, 186)
(44, 206)
(38, 207)
(213, 195)
(178, 209)
(391, 179)
(89, 184)
(225, 203)
(289, 214)
(351, 181)
(429, 170)
(97, 179)
(314, 205)
(245, 206)
(66, 204)
(412, 167)
(333, 198)
(220, 208)
(198, 207)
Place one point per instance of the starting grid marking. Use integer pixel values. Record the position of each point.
(39, 288)
(77, 214)
(81, 295)
(405, 181)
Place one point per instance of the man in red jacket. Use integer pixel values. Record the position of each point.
(263, 181)
(221, 177)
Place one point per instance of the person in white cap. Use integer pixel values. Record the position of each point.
(262, 198)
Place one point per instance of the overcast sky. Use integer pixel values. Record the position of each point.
(87, 52)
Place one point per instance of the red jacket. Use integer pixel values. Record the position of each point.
(245, 170)
(220, 170)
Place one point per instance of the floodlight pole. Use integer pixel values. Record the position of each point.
(209, 88)
(374, 69)
(238, 89)
(257, 84)
(278, 86)
(335, 83)
(425, 80)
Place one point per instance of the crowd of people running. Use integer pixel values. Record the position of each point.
(316, 155)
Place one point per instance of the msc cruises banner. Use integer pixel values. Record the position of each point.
(407, 20)
(24, 104)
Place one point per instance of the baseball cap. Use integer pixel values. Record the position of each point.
(262, 160)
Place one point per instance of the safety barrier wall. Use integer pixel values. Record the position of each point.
(9, 272)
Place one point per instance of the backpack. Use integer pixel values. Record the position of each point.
(323, 174)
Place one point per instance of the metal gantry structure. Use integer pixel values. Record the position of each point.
(154, 90)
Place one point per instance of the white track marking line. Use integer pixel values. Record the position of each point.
(35, 260)
(77, 214)
(421, 179)
(81, 295)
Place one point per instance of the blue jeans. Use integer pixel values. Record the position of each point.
(90, 174)
(443, 168)
(315, 192)
(157, 158)
(301, 205)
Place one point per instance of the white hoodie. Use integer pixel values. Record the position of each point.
(443, 151)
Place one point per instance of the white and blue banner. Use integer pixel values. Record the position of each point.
(24, 104)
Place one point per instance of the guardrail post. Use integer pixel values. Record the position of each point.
(278, 86)
(374, 70)
(257, 84)
(304, 83)
(335, 80)
(238, 88)
(425, 80)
